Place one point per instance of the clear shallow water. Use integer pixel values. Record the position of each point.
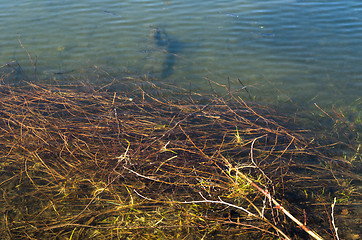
(306, 51)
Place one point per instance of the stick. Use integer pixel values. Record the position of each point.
(280, 207)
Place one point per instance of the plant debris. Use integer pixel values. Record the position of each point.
(99, 164)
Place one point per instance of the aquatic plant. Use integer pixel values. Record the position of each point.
(100, 164)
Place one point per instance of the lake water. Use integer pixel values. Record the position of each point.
(283, 50)
(302, 56)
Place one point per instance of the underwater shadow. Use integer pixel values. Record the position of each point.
(170, 46)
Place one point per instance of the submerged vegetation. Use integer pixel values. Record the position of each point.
(158, 162)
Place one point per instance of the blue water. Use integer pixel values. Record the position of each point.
(284, 51)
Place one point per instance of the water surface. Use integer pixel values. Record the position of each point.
(284, 50)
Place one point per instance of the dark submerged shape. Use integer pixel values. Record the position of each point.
(171, 47)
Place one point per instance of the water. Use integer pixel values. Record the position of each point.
(284, 50)
(301, 55)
